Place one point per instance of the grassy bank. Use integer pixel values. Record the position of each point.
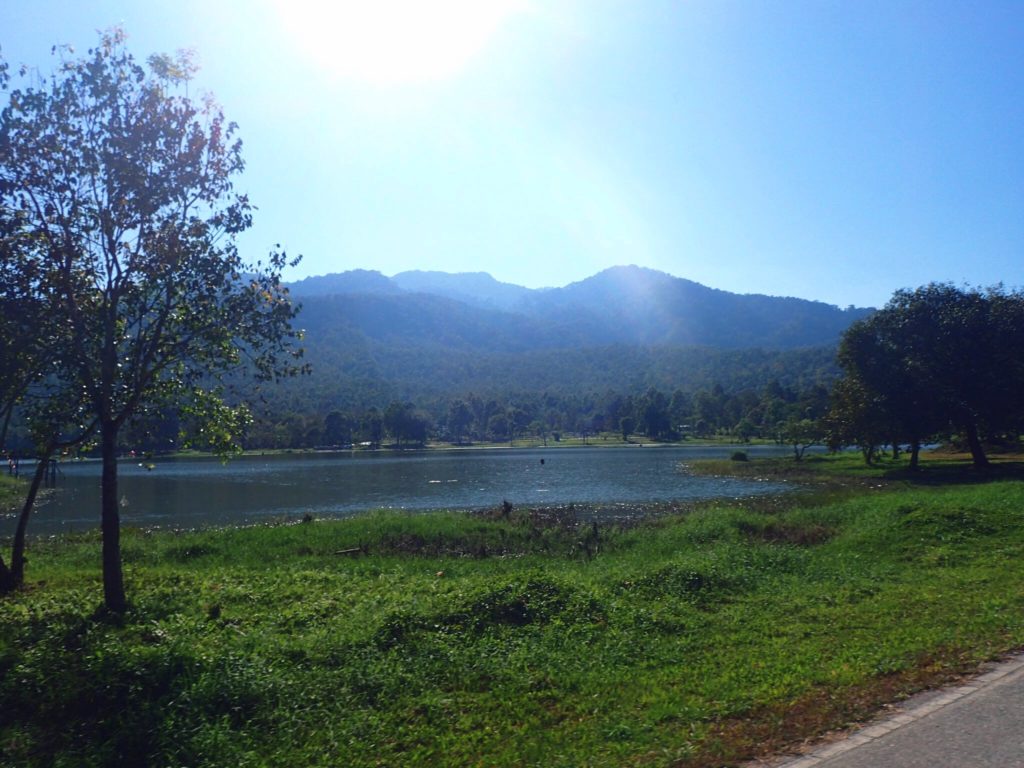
(692, 640)
(12, 492)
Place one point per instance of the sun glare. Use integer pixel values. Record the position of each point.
(392, 42)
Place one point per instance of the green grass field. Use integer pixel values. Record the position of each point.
(698, 639)
(11, 490)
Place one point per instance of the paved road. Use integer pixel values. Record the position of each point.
(978, 724)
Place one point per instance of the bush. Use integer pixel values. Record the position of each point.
(739, 456)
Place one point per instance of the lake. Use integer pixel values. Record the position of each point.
(192, 492)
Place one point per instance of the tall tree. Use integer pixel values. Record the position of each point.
(337, 428)
(654, 414)
(459, 418)
(126, 188)
(32, 341)
(934, 360)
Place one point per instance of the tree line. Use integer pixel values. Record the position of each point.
(654, 415)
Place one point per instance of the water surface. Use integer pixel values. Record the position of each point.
(185, 493)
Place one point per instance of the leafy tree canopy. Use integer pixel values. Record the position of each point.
(119, 214)
(933, 361)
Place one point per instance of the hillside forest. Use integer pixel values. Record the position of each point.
(465, 359)
(474, 360)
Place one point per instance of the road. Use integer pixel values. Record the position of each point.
(976, 724)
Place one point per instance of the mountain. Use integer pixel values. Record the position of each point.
(477, 288)
(619, 306)
(428, 321)
(354, 281)
(643, 306)
(427, 337)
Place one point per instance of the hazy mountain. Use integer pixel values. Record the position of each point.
(354, 281)
(437, 322)
(428, 337)
(477, 288)
(372, 339)
(619, 306)
(643, 306)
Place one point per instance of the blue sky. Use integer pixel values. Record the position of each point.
(827, 150)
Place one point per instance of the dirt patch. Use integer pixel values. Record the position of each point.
(786, 533)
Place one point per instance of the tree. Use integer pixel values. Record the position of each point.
(57, 420)
(708, 407)
(801, 434)
(680, 407)
(654, 415)
(24, 353)
(459, 418)
(372, 427)
(125, 191)
(626, 426)
(31, 342)
(337, 429)
(30, 348)
(934, 360)
(886, 396)
(852, 420)
(745, 429)
(498, 426)
(516, 420)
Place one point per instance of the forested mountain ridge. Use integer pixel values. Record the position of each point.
(352, 281)
(636, 305)
(415, 338)
(466, 357)
(477, 288)
(621, 305)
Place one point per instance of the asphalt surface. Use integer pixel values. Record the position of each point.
(976, 724)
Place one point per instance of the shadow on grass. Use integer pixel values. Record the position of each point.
(849, 469)
(934, 472)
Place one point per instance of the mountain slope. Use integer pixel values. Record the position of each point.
(373, 339)
(621, 305)
(477, 288)
(643, 306)
(353, 281)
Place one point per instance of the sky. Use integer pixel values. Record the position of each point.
(834, 151)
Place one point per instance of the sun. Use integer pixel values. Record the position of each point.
(392, 42)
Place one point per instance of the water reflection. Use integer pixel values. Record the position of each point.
(194, 492)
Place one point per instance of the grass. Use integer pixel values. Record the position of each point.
(11, 493)
(446, 639)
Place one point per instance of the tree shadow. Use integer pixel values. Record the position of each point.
(961, 473)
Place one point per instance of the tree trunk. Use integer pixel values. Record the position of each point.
(869, 453)
(8, 411)
(18, 548)
(915, 452)
(977, 451)
(113, 577)
(6, 580)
